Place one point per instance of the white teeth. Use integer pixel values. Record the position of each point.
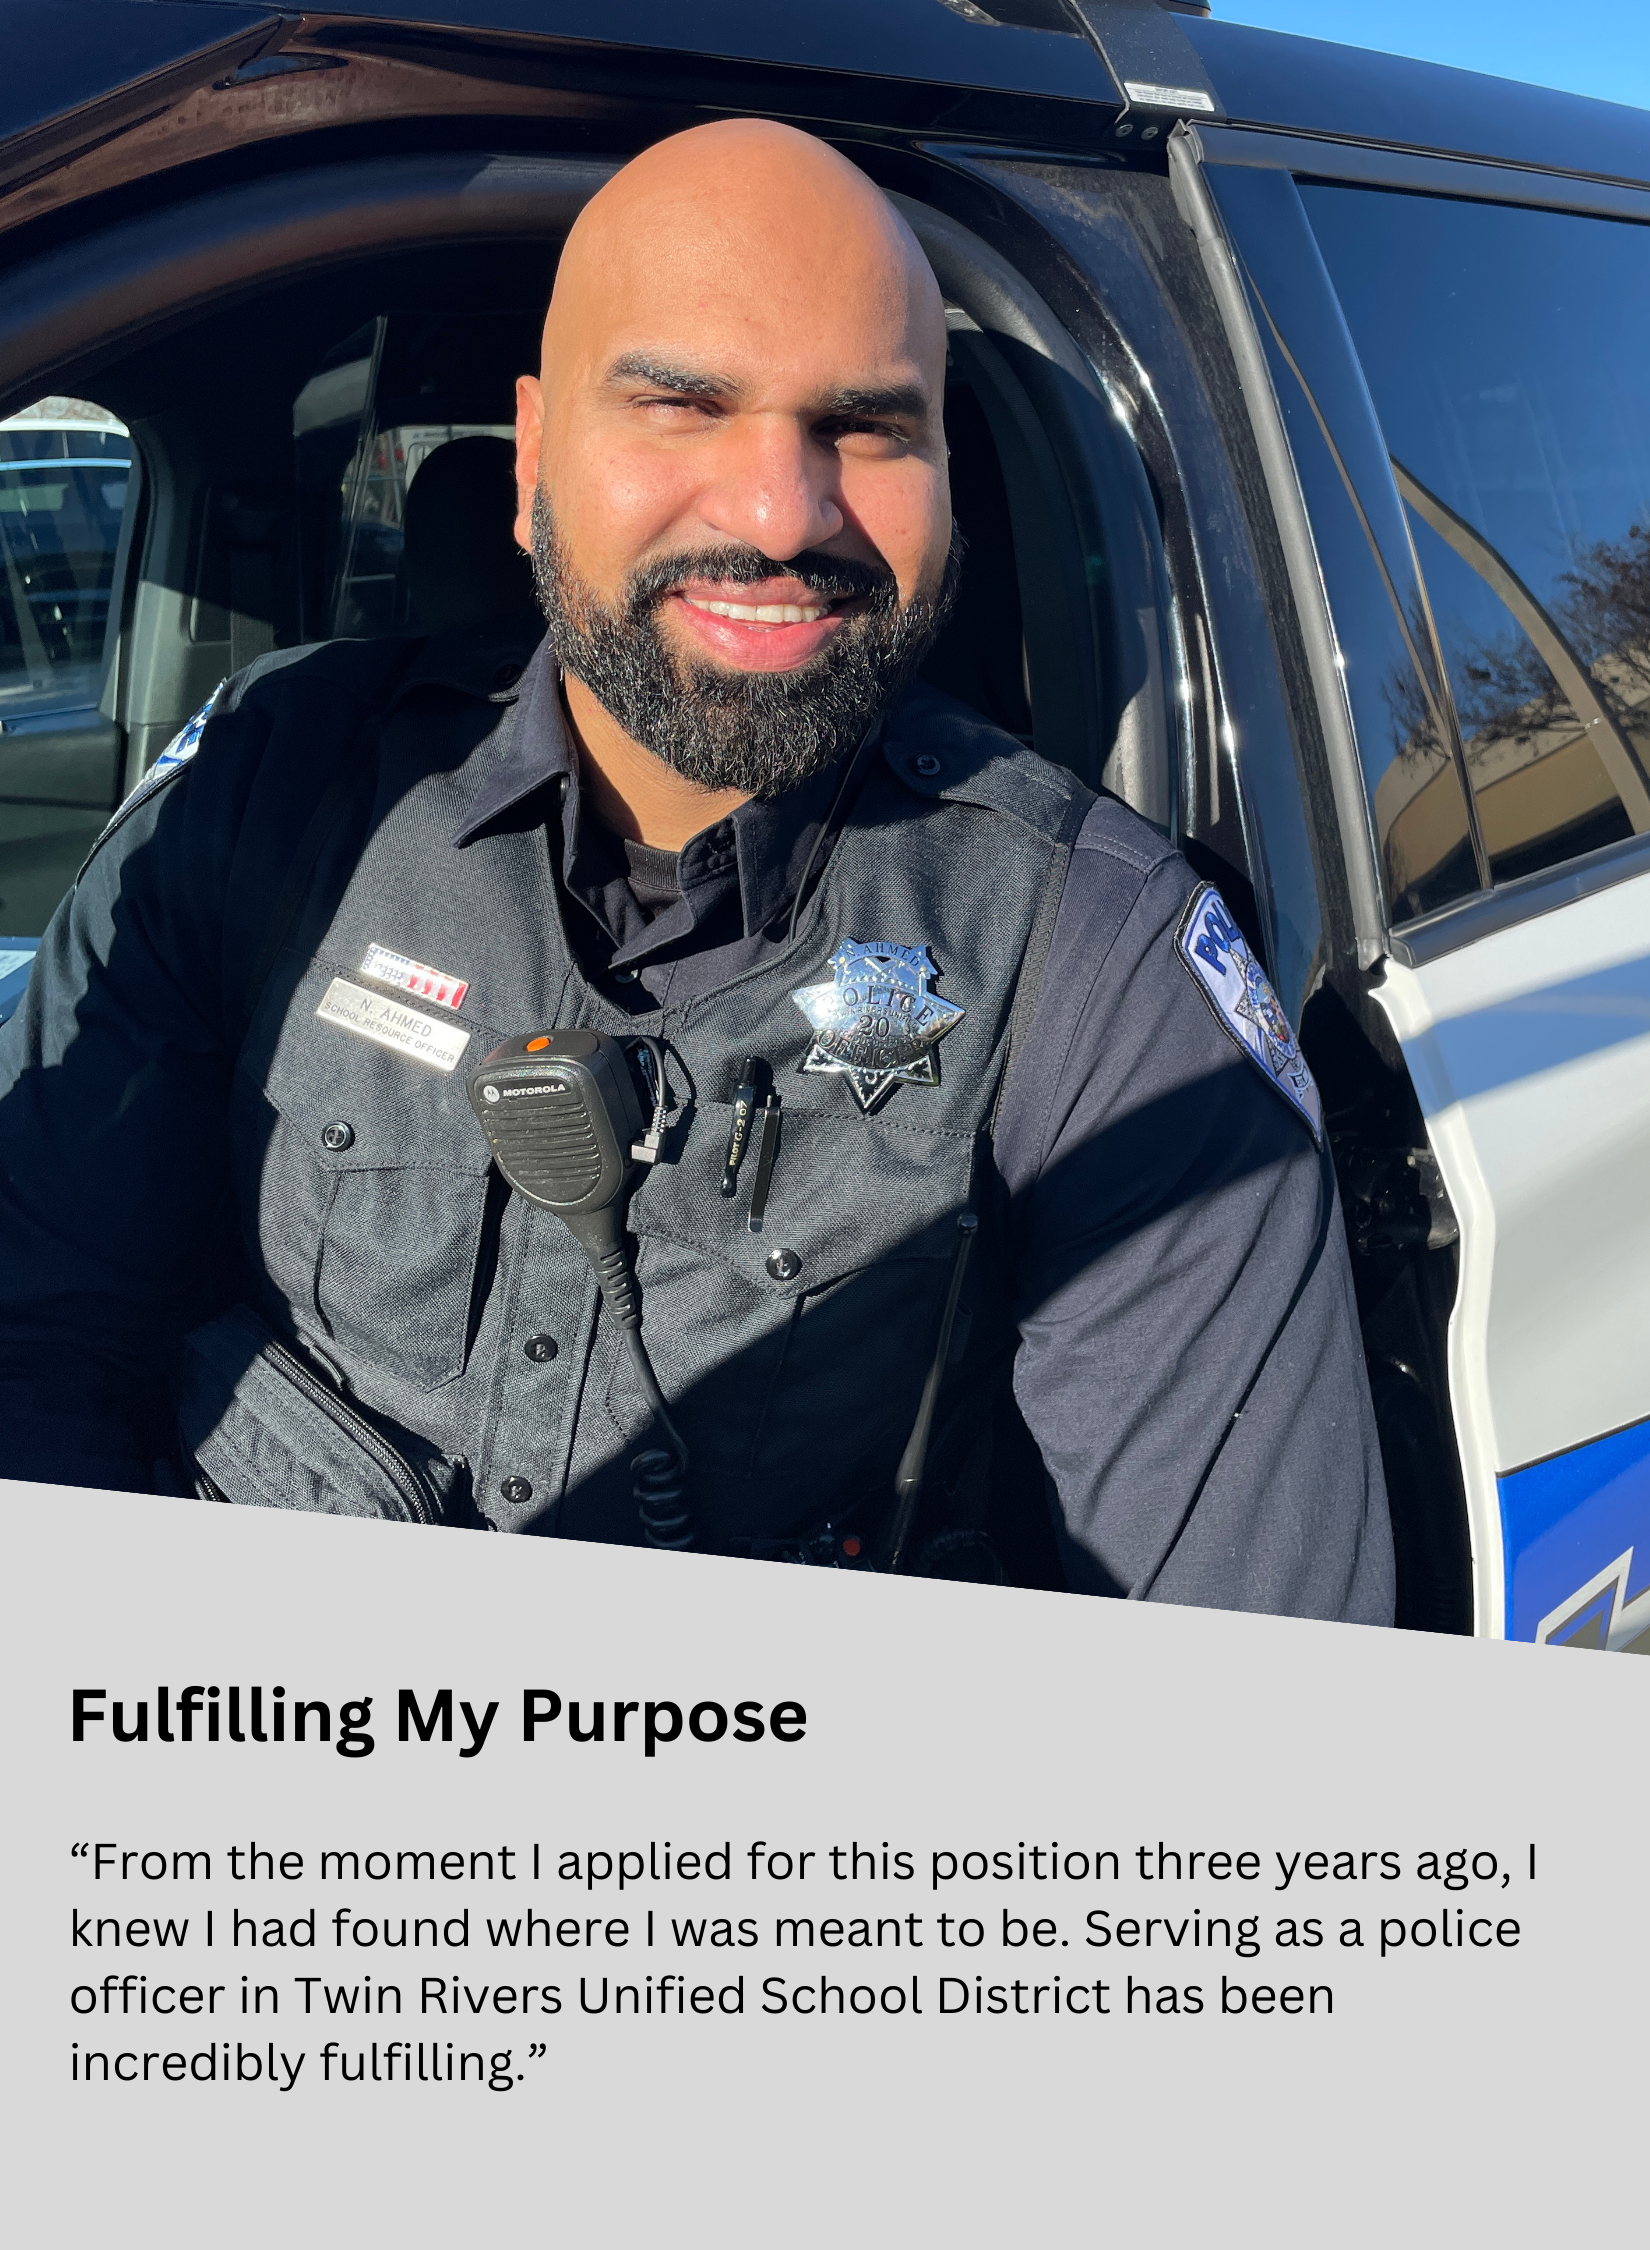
(768, 613)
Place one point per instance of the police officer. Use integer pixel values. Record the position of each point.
(251, 1239)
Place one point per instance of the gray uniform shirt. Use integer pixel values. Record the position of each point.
(1189, 1362)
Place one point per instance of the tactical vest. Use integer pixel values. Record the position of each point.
(421, 1342)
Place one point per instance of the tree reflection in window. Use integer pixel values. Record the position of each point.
(1557, 736)
(1505, 349)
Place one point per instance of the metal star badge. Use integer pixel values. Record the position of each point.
(877, 1023)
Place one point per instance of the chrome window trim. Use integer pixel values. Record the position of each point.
(1429, 938)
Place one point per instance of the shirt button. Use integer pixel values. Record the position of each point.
(927, 765)
(517, 1491)
(507, 675)
(541, 1348)
(336, 1137)
(626, 976)
(784, 1265)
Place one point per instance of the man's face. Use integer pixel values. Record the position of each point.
(733, 470)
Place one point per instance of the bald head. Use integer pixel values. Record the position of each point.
(751, 223)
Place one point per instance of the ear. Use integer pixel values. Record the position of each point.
(529, 440)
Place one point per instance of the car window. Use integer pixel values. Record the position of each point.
(68, 488)
(1508, 354)
(65, 467)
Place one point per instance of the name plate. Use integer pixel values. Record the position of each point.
(387, 1023)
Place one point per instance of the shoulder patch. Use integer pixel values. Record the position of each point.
(178, 752)
(187, 740)
(172, 759)
(1212, 947)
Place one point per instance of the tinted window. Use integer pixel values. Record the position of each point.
(67, 488)
(1508, 353)
(64, 469)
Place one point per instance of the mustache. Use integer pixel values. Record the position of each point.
(759, 733)
(832, 577)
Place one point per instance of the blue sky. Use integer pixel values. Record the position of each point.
(1597, 47)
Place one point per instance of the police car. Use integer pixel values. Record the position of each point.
(1301, 435)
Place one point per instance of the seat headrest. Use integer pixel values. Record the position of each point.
(459, 554)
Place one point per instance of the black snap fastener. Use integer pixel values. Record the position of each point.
(507, 675)
(784, 1265)
(517, 1491)
(927, 765)
(541, 1347)
(337, 1136)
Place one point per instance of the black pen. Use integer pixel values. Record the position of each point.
(744, 1109)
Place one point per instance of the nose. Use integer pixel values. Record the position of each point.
(774, 489)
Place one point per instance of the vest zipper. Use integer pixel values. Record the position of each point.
(421, 1502)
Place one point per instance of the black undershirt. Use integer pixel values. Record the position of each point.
(653, 877)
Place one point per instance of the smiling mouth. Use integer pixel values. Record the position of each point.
(763, 613)
(776, 623)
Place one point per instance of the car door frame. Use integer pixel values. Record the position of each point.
(1417, 973)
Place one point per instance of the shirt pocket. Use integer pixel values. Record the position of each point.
(800, 1352)
(369, 1193)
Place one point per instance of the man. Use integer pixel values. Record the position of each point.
(243, 1185)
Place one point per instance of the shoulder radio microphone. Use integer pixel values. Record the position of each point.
(562, 1117)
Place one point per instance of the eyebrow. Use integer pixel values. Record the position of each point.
(906, 401)
(686, 382)
(903, 400)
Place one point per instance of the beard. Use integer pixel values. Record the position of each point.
(761, 733)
